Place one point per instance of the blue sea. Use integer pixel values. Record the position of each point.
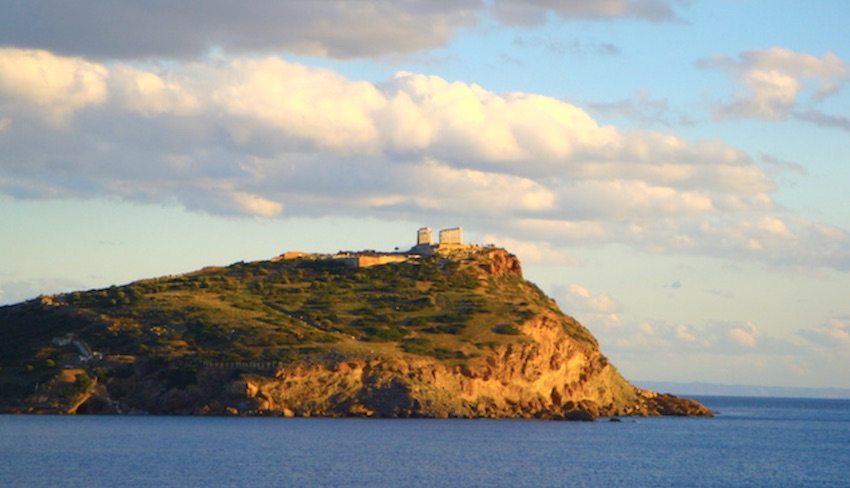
(771, 442)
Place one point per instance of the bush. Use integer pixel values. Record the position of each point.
(418, 345)
(506, 329)
(453, 329)
(82, 383)
(418, 322)
(450, 317)
(385, 334)
(525, 314)
(425, 347)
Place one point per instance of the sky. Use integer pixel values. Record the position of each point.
(674, 173)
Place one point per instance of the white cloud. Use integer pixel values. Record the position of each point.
(53, 86)
(617, 199)
(148, 93)
(255, 205)
(256, 136)
(774, 80)
(270, 97)
(745, 334)
(442, 187)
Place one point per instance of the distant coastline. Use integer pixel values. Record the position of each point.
(700, 388)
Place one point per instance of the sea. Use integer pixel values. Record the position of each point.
(769, 442)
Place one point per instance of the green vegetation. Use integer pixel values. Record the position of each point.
(507, 329)
(425, 347)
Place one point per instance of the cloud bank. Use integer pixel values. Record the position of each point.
(120, 29)
(737, 350)
(267, 137)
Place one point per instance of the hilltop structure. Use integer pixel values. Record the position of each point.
(450, 239)
(450, 245)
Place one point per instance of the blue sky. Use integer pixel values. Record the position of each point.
(672, 172)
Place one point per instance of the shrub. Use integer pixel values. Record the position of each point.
(506, 329)
(82, 382)
(425, 347)
(418, 322)
(450, 317)
(418, 345)
(453, 329)
(385, 334)
(206, 331)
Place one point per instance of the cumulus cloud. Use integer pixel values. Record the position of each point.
(267, 137)
(52, 86)
(773, 81)
(148, 93)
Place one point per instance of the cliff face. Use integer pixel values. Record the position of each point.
(549, 376)
(511, 354)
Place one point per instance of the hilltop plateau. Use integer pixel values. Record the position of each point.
(453, 333)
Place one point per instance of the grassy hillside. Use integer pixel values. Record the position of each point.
(305, 309)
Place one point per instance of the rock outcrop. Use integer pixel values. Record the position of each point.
(548, 377)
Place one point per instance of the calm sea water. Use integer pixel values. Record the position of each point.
(754, 442)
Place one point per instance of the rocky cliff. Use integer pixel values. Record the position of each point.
(550, 376)
(458, 334)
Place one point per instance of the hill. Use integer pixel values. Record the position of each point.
(458, 333)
